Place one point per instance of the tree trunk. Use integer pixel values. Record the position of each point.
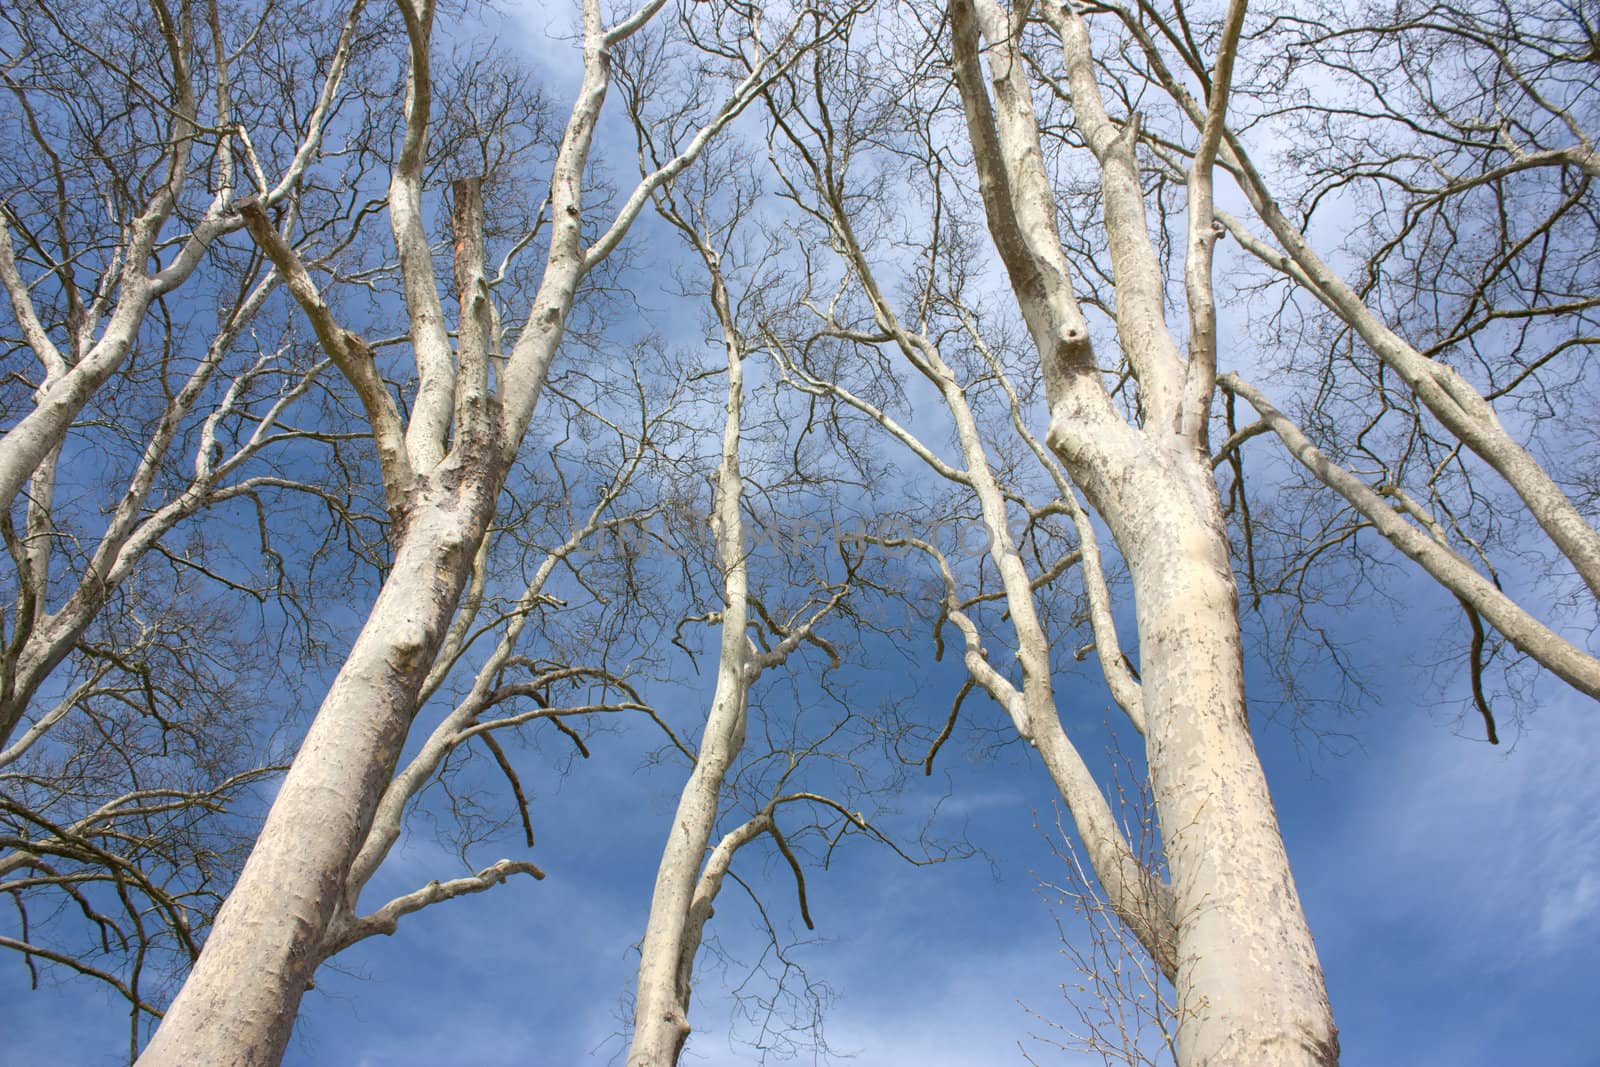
(239, 1003)
(660, 1012)
(1250, 989)
(671, 937)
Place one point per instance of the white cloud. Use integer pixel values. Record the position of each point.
(1494, 852)
(1565, 910)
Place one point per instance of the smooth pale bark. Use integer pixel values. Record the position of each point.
(1250, 989)
(458, 726)
(1249, 986)
(239, 1002)
(672, 936)
(464, 722)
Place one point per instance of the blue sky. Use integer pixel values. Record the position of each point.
(1453, 889)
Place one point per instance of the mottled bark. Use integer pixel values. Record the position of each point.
(661, 1001)
(1249, 987)
(238, 1005)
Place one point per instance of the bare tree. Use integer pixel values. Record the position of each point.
(139, 660)
(443, 466)
(1058, 399)
(1075, 210)
(689, 879)
(1474, 178)
(1459, 112)
(84, 302)
(103, 273)
(997, 494)
(1227, 927)
(527, 678)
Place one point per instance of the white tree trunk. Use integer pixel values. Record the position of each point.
(660, 1010)
(1250, 989)
(666, 956)
(238, 1005)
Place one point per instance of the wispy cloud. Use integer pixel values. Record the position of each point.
(1499, 841)
(1453, 886)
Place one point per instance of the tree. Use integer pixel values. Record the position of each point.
(1241, 941)
(1466, 315)
(98, 276)
(1226, 924)
(1227, 927)
(443, 467)
(692, 870)
(139, 655)
(1060, 398)
(1448, 282)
